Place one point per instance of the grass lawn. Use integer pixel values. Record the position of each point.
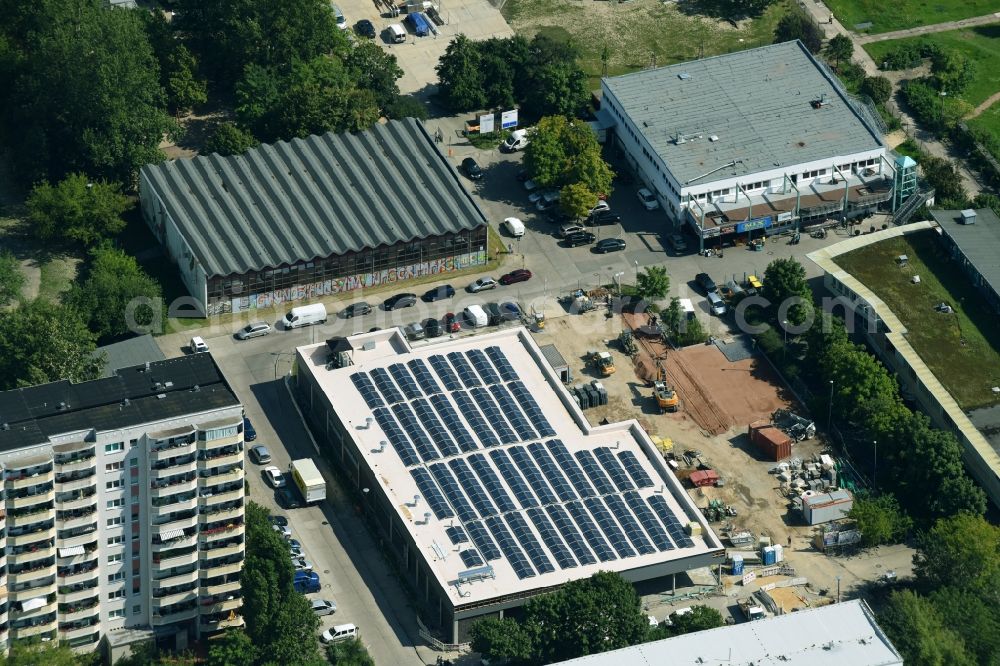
(962, 349)
(639, 32)
(980, 44)
(889, 15)
(988, 120)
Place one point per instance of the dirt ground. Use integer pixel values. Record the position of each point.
(735, 393)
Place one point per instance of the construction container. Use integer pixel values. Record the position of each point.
(768, 556)
(779, 553)
(704, 477)
(823, 507)
(737, 567)
(770, 441)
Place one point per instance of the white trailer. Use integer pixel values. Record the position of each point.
(307, 477)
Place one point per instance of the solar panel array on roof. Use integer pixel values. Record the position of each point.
(471, 558)
(456, 534)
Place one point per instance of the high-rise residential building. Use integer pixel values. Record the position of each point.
(123, 505)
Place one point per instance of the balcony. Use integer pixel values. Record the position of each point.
(81, 536)
(168, 486)
(181, 541)
(170, 560)
(221, 460)
(28, 501)
(77, 574)
(77, 518)
(164, 591)
(187, 611)
(210, 445)
(182, 520)
(221, 588)
(36, 551)
(44, 590)
(176, 501)
(208, 626)
(173, 599)
(173, 451)
(169, 578)
(228, 496)
(219, 532)
(221, 605)
(172, 466)
(43, 631)
(34, 477)
(215, 515)
(74, 464)
(67, 596)
(38, 611)
(79, 613)
(212, 551)
(30, 573)
(210, 570)
(214, 476)
(77, 481)
(76, 500)
(33, 514)
(73, 634)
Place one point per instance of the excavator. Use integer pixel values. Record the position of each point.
(666, 396)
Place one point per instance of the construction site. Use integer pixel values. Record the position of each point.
(748, 453)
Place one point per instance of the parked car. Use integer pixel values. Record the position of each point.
(254, 330)
(438, 293)
(579, 238)
(482, 284)
(706, 282)
(273, 476)
(414, 331)
(649, 201)
(365, 28)
(599, 206)
(511, 311)
(537, 195)
(287, 498)
(399, 301)
(472, 169)
(432, 328)
(197, 345)
(249, 433)
(302, 564)
(530, 185)
(677, 242)
(518, 275)
(295, 552)
(609, 245)
(280, 521)
(294, 543)
(324, 607)
(340, 632)
(451, 323)
(283, 530)
(571, 228)
(260, 455)
(338, 17)
(603, 217)
(306, 583)
(356, 310)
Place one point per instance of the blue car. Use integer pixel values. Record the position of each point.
(249, 434)
(305, 583)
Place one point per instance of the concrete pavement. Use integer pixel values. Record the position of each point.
(929, 29)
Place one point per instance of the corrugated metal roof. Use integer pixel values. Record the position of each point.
(310, 198)
(552, 355)
(757, 103)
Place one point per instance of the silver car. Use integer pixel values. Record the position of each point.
(253, 330)
(324, 607)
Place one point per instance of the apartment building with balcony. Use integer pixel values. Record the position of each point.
(122, 506)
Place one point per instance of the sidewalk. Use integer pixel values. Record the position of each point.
(929, 29)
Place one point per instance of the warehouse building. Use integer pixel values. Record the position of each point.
(486, 482)
(123, 507)
(833, 635)
(757, 140)
(312, 217)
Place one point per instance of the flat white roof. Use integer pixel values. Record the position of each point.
(501, 481)
(832, 635)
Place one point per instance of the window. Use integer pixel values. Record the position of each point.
(112, 522)
(116, 557)
(117, 576)
(114, 467)
(112, 504)
(116, 483)
(114, 448)
(133, 442)
(117, 594)
(115, 540)
(133, 462)
(135, 499)
(120, 612)
(136, 610)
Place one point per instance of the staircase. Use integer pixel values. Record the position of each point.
(912, 205)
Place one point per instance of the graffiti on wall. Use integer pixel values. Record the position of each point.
(350, 283)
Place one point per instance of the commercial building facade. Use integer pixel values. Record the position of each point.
(312, 217)
(758, 140)
(123, 505)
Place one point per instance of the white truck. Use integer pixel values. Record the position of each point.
(311, 483)
(517, 140)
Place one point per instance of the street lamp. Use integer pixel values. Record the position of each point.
(784, 349)
(618, 279)
(636, 262)
(829, 411)
(597, 276)
(875, 466)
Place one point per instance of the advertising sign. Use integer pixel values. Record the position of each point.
(784, 217)
(508, 119)
(749, 577)
(486, 123)
(754, 224)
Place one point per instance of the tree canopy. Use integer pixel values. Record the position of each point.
(229, 139)
(351, 652)
(839, 48)
(76, 210)
(880, 519)
(962, 551)
(919, 633)
(565, 152)
(878, 88)
(652, 283)
(11, 278)
(797, 24)
(786, 288)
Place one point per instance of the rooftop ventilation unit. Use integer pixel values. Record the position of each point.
(683, 76)
(684, 138)
(968, 217)
(819, 103)
(713, 138)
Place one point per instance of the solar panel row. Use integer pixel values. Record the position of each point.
(551, 472)
(569, 467)
(663, 512)
(503, 366)
(631, 463)
(531, 409)
(483, 366)
(515, 556)
(513, 412)
(552, 539)
(454, 494)
(456, 534)
(424, 376)
(385, 386)
(513, 478)
(408, 422)
(475, 418)
(613, 468)
(367, 390)
(595, 473)
(431, 493)
(470, 484)
(445, 373)
(534, 477)
(628, 522)
(483, 541)
(399, 441)
(494, 415)
(526, 539)
(483, 469)
(432, 424)
(471, 558)
(464, 369)
(405, 381)
(458, 431)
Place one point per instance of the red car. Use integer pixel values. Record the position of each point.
(520, 275)
(450, 323)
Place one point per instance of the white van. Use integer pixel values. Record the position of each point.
(396, 33)
(517, 140)
(476, 316)
(340, 632)
(716, 304)
(305, 315)
(514, 227)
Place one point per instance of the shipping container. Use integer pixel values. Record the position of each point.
(774, 444)
(706, 477)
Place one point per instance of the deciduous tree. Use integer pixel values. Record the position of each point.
(952, 70)
(961, 551)
(375, 69)
(185, 89)
(11, 278)
(459, 76)
(351, 652)
(652, 283)
(878, 88)
(405, 106)
(502, 639)
(839, 48)
(880, 519)
(796, 24)
(699, 619)
(229, 139)
(785, 283)
(576, 200)
(974, 617)
(918, 632)
(233, 648)
(76, 210)
(562, 152)
(554, 83)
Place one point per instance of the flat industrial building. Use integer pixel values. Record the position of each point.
(312, 217)
(750, 140)
(834, 635)
(489, 483)
(973, 239)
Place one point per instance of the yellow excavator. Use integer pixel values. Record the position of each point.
(602, 361)
(666, 396)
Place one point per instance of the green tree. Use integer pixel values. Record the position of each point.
(880, 519)
(987, 200)
(796, 24)
(502, 638)
(228, 37)
(43, 342)
(691, 332)
(699, 619)
(117, 297)
(917, 630)
(554, 84)
(562, 152)
(84, 95)
(952, 70)
(41, 654)
(961, 551)
(375, 69)
(975, 618)
(11, 278)
(942, 175)
(351, 652)
(460, 83)
(652, 283)
(185, 90)
(405, 106)
(76, 210)
(785, 282)
(233, 648)
(878, 88)
(576, 199)
(545, 156)
(839, 48)
(229, 139)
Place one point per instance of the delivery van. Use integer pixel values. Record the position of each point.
(476, 316)
(395, 33)
(514, 227)
(517, 140)
(305, 315)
